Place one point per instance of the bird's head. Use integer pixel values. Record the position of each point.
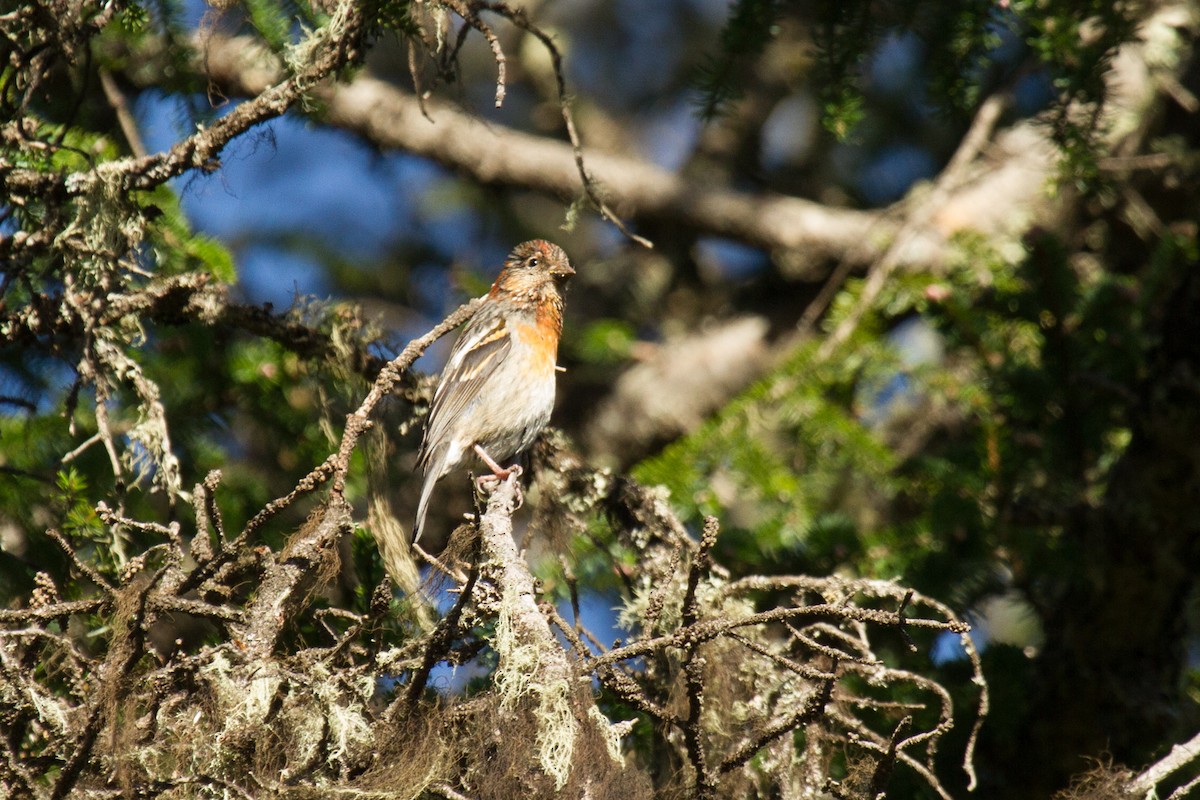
(531, 265)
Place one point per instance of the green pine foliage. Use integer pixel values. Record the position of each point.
(1024, 420)
(176, 248)
(1073, 44)
(745, 36)
(605, 341)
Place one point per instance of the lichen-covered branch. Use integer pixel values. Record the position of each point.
(702, 646)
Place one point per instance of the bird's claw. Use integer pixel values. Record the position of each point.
(489, 483)
(514, 473)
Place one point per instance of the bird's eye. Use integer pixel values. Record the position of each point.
(532, 261)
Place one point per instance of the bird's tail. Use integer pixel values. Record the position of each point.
(433, 471)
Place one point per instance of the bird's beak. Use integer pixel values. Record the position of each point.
(564, 270)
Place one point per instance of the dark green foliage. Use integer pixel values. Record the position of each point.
(605, 341)
(1035, 355)
(177, 248)
(1032, 409)
(745, 36)
(391, 15)
(275, 22)
(1073, 44)
(772, 461)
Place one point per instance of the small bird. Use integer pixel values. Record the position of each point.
(497, 390)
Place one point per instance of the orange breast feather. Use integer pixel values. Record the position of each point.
(543, 340)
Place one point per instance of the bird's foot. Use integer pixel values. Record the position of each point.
(514, 475)
(489, 483)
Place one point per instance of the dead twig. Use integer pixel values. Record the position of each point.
(591, 187)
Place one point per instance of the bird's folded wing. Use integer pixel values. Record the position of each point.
(476, 355)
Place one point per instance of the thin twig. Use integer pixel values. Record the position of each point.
(868, 739)
(626, 688)
(803, 670)
(81, 565)
(568, 631)
(455, 575)
(358, 421)
(306, 485)
(700, 564)
(591, 188)
(447, 791)
(230, 549)
(885, 765)
(859, 655)
(694, 665)
(78, 451)
(692, 727)
(912, 646)
(116, 99)
(813, 707)
(951, 178)
(707, 630)
(57, 611)
(1185, 790)
(470, 15)
(441, 639)
(16, 768)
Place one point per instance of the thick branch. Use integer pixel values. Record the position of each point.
(290, 577)
(533, 667)
(511, 574)
(494, 155)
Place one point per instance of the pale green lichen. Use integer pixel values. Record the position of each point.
(49, 710)
(242, 700)
(149, 453)
(518, 661)
(612, 733)
(301, 56)
(297, 716)
(521, 673)
(106, 226)
(100, 242)
(558, 730)
(349, 729)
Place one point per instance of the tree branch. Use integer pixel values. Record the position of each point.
(494, 155)
(1180, 756)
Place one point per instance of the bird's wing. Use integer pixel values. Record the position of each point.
(478, 353)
